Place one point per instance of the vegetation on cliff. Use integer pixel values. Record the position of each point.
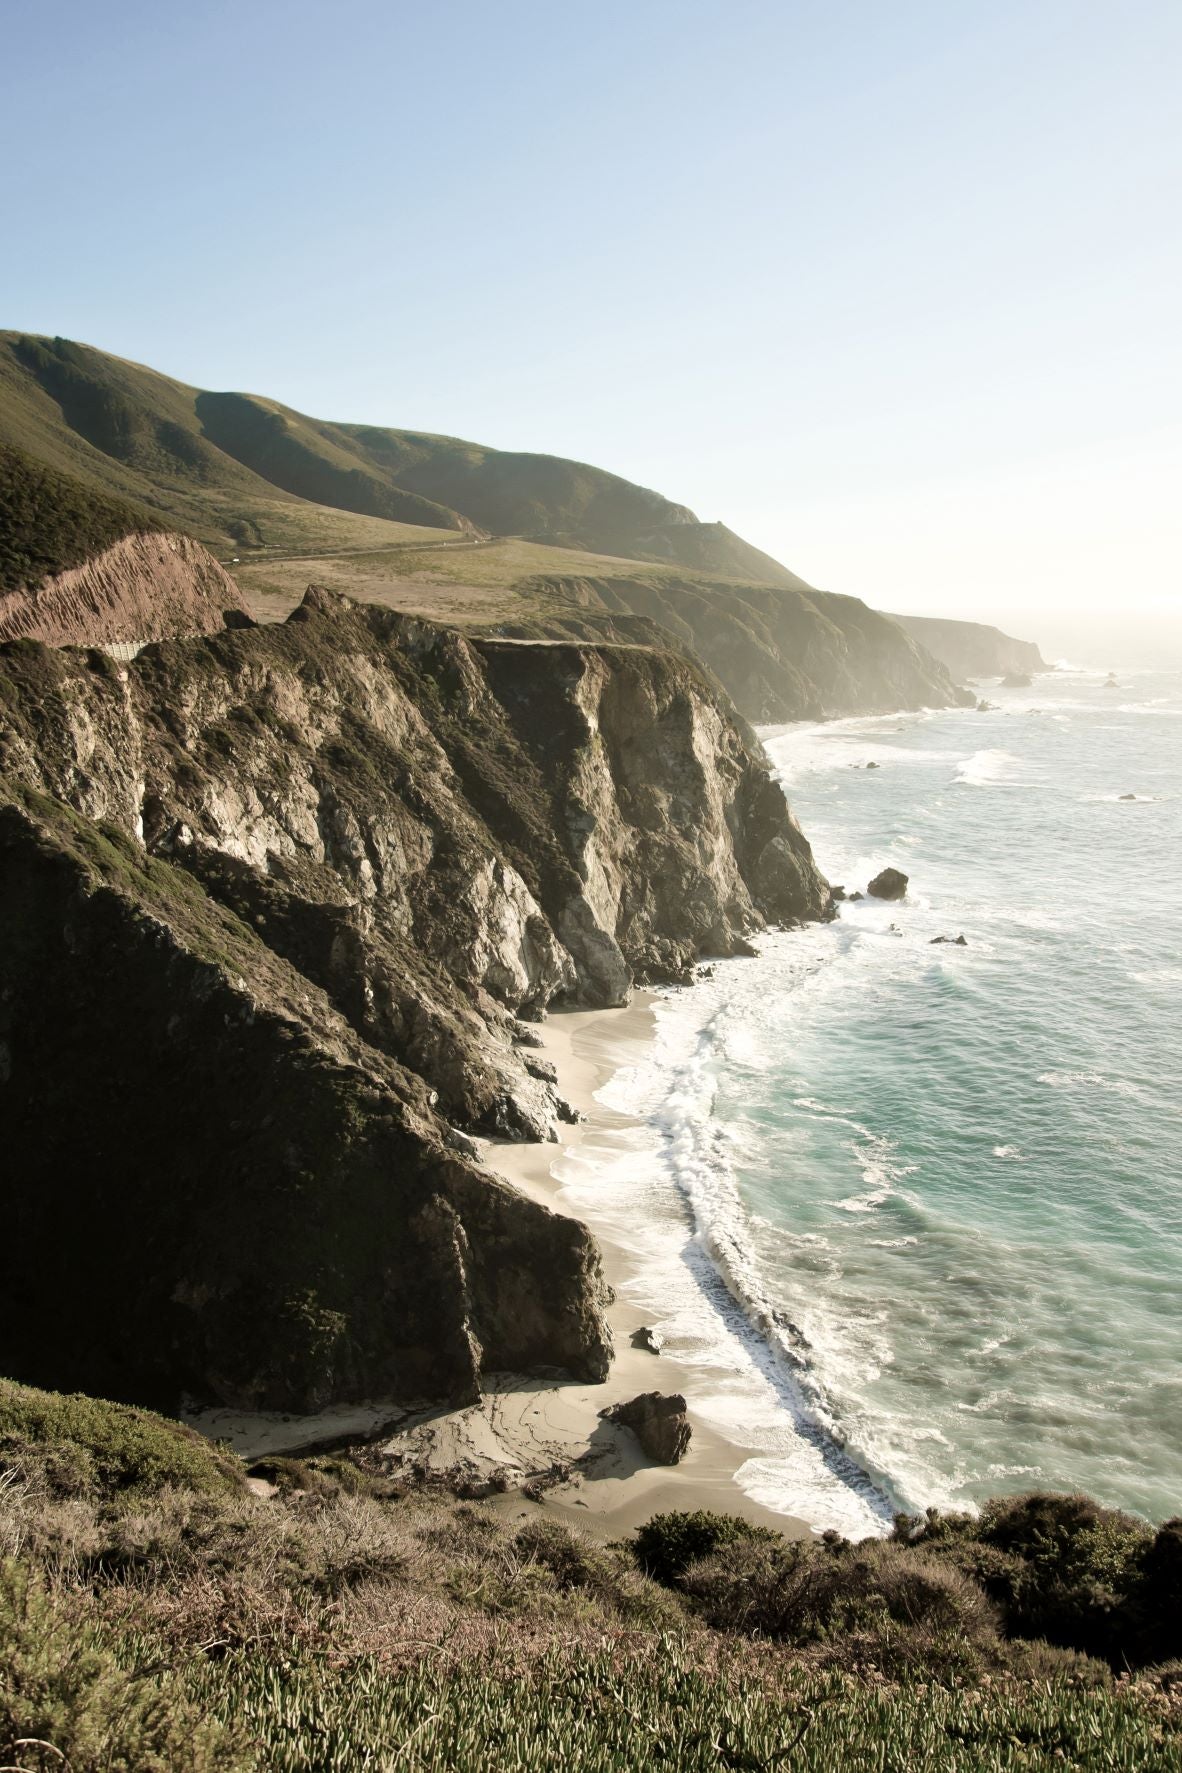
(50, 521)
(341, 1622)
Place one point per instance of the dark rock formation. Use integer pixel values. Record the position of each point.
(973, 649)
(890, 884)
(952, 941)
(273, 903)
(1017, 680)
(1128, 797)
(650, 1340)
(659, 1423)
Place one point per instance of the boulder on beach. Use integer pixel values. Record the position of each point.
(890, 884)
(651, 1341)
(659, 1423)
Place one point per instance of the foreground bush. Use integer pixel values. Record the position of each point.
(1066, 1570)
(81, 1446)
(668, 1544)
(61, 1686)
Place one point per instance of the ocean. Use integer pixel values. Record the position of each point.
(915, 1209)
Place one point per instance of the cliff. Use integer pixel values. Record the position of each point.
(147, 586)
(973, 649)
(781, 653)
(274, 903)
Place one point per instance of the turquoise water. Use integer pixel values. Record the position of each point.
(919, 1208)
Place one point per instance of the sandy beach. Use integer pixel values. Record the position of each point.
(526, 1429)
(616, 1488)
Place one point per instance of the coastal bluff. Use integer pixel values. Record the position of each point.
(282, 901)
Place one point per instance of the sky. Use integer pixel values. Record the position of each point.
(892, 290)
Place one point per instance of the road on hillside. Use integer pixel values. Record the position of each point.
(265, 554)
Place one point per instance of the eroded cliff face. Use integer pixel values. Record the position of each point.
(782, 652)
(148, 586)
(274, 906)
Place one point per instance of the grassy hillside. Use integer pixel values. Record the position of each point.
(244, 473)
(327, 1617)
(50, 521)
(135, 436)
(452, 530)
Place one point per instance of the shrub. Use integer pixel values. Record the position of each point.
(668, 1544)
(1159, 1599)
(804, 1592)
(77, 1445)
(61, 1685)
(1075, 1571)
(567, 1556)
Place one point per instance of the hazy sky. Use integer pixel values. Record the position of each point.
(892, 289)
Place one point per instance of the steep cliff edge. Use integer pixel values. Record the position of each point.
(273, 902)
(148, 586)
(973, 649)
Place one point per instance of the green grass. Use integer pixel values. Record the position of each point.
(654, 1710)
(245, 473)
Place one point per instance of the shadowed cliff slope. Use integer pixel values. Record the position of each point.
(273, 903)
(781, 654)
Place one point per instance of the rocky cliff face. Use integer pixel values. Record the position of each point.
(781, 652)
(274, 903)
(973, 649)
(148, 586)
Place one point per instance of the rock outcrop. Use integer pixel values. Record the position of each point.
(147, 586)
(890, 884)
(659, 1423)
(274, 902)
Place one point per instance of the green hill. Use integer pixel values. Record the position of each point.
(240, 471)
(475, 537)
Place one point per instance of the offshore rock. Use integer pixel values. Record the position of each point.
(890, 884)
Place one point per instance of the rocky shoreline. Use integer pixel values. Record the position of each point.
(288, 898)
